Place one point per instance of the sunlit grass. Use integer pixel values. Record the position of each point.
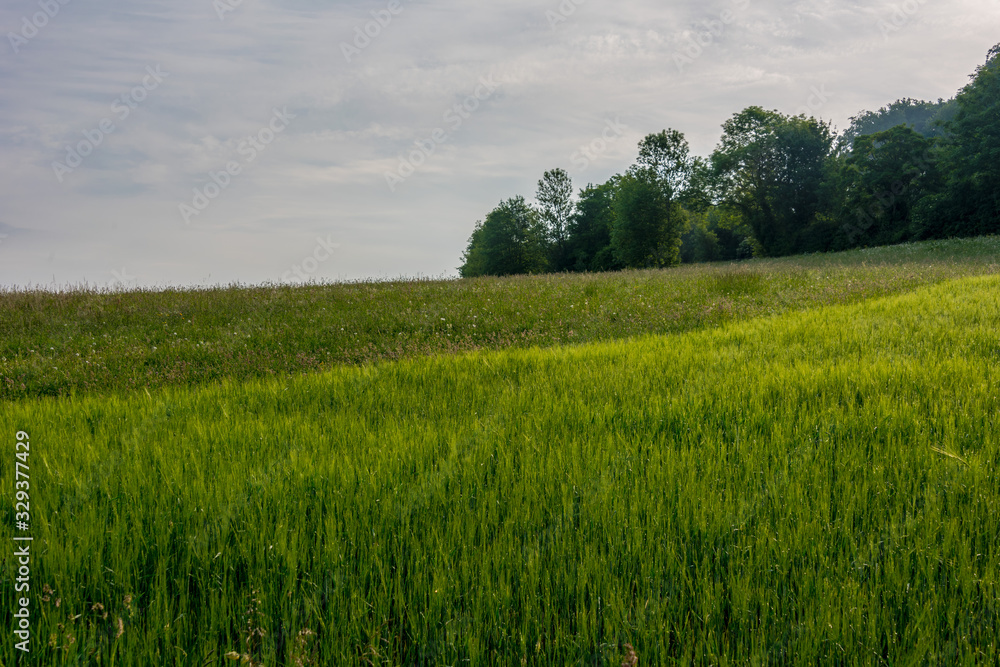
(816, 487)
(85, 341)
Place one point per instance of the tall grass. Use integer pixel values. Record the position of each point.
(53, 344)
(818, 487)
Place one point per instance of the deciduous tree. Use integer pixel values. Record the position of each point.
(510, 241)
(770, 167)
(555, 205)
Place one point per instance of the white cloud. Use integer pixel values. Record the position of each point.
(325, 173)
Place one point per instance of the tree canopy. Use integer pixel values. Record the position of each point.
(511, 240)
(770, 168)
(555, 207)
(775, 185)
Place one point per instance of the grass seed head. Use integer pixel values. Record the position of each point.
(630, 659)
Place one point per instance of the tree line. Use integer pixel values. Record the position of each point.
(775, 185)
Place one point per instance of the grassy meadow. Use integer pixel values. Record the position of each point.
(55, 344)
(781, 462)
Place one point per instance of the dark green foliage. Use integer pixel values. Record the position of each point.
(555, 200)
(911, 170)
(667, 157)
(647, 225)
(510, 241)
(887, 174)
(475, 260)
(648, 214)
(698, 242)
(590, 230)
(970, 203)
(715, 234)
(702, 187)
(926, 118)
(828, 230)
(770, 168)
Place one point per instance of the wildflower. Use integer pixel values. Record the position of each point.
(631, 659)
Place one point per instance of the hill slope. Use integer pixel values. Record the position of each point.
(54, 344)
(819, 486)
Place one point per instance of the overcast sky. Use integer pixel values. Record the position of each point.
(189, 142)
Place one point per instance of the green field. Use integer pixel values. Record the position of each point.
(781, 462)
(54, 344)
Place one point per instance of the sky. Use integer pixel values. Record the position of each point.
(179, 143)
